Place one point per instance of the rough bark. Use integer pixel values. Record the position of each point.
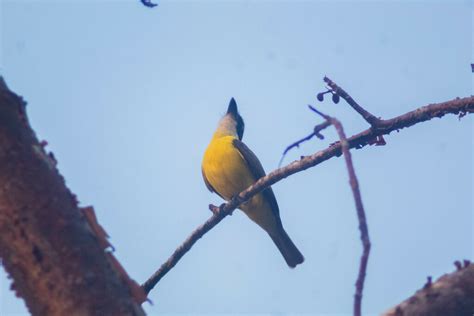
(451, 295)
(46, 244)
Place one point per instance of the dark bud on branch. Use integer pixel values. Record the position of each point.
(148, 3)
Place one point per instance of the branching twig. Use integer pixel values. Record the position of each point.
(371, 119)
(364, 231)
(316, 132)
(456, 106)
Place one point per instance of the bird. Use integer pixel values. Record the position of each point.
(229, 167)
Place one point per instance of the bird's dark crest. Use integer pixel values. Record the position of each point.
(232, 110)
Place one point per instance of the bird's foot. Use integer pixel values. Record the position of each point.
(235, 200)
(221, 208)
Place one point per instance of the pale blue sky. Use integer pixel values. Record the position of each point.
(128, 98)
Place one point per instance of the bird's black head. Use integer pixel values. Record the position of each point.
(234, 112)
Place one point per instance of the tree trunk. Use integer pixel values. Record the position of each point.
(46, 244)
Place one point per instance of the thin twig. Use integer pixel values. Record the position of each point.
(316, 132)
(371, 119)
(456, 106)
(295, 145)
(364, 231)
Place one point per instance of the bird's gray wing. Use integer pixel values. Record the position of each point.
(257, 171)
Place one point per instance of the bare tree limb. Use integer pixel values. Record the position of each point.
(46, 245)
(425, 113)
(363, 227)
(219, 215)
(452, 294)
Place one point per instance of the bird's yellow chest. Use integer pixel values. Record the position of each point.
(225, 168)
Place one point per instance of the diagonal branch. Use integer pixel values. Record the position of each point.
(219, 214)
(364, 230)
(370, 118)
(457, 106)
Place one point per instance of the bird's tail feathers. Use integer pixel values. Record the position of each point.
(292, 255)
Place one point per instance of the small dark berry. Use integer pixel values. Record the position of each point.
(320, 97)
(335, 98)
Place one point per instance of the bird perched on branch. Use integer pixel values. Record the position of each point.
(229, 167)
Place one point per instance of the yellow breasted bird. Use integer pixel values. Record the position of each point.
(229, 167)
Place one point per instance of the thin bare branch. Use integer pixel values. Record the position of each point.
(316, 132)
(218, 215)
(371, 119)
(364, 230)
(456, 106)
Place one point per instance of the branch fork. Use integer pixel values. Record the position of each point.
(366, 115)
(364, 231)
(373, 135)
